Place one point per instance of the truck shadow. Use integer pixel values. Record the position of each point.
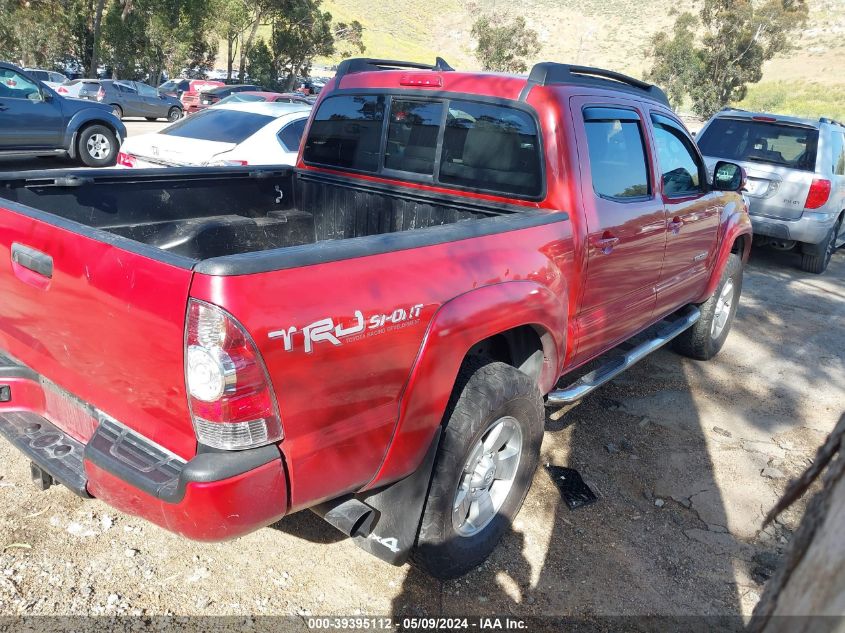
(674, 449)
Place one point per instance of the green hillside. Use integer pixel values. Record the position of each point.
(608, 33)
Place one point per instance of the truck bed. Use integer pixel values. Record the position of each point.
(207, 213)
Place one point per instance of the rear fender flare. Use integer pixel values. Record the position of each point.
(456, 327)
(735, 224)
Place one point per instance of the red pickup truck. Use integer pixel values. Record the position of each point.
(371, 334)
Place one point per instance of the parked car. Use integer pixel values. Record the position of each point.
(191, 97)
(269, 97)
(132, 99)
(73, 86)
(796, 178)
(214, 95)
(49, 77)
(236, 134)
(36, 121)
(372, 333)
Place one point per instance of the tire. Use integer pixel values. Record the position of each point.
(97, 146)
(117, 111)
(490, 398)
(704, 339)
(174, 114)
(816, 258)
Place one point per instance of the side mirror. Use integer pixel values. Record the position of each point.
(729, 177)
(46, 95)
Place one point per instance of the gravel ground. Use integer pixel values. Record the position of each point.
(685, 457)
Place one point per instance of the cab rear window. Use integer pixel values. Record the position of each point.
(454, 142)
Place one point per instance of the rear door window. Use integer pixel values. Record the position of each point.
(125, 88)
(146, 91)
(792, 146)
(346, 132)
(224, 126)
(617, 153)
(291, 134)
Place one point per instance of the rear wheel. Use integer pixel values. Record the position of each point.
(486, 461)
(815, 258)
(704, 339)
(97, 146)
(117, 111)
(174, 115)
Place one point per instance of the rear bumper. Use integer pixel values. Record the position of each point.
(214, 496)
(804, 229)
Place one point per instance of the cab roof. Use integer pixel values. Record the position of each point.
(366, 73)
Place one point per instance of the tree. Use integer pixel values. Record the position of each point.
(95, 45)
(351, 37)
(301, 32)
(676, 61)
(33, 31)
(502, 44)
(715, 69)
(233, 17)
(260, 67)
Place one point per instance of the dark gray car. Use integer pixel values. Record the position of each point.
(132, 99)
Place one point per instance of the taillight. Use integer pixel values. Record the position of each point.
(101, 94)
(125, 160)
(819, 193)
(62, 90)
(425, 80)
(232, 404)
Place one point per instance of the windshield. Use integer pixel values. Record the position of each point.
(240, 97)
(223, 126)
(761, 142)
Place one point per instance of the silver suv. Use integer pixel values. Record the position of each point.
(796, 178)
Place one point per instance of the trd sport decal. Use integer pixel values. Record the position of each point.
(329, 331)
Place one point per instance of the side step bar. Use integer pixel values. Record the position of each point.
(588, 383)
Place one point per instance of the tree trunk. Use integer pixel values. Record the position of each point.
(246, 45)
(811, 581)
(230, 53)
(95, 51)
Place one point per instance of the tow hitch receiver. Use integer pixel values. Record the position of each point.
(41, 478)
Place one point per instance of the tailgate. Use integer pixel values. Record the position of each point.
(101, 322)
(777, 193)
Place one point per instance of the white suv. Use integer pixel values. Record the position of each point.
(796, 178)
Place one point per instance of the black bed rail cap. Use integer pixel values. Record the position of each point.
(369, 64)
(552, 73)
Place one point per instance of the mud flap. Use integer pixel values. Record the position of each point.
(399, 507)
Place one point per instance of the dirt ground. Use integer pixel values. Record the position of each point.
(686, 458)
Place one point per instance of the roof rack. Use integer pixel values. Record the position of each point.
(551, 73)
(367, 64)
(825, 119)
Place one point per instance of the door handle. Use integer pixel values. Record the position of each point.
(3, 107)
(675, 225)
(606, 242)
(33, 260)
